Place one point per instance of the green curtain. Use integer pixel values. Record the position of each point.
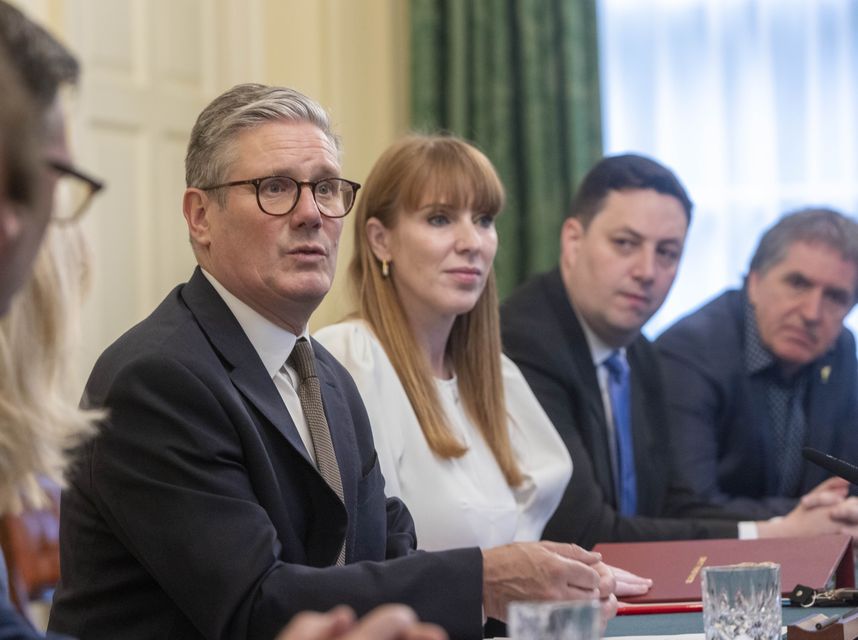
(519, 78)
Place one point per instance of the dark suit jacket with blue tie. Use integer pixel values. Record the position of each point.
(541, 333)
(196, 513)
(720, 415)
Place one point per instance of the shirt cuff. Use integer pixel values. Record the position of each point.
(748, 531)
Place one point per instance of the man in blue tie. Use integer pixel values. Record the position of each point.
(575, 332)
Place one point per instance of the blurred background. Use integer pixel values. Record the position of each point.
(752, 102)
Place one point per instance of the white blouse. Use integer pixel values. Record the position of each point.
(455, 502)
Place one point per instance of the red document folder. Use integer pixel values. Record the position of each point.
(675, 566)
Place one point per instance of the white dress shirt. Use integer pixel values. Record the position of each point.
(465, 501)
(600, 352)
(274, 345)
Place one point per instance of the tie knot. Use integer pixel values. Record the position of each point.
(302, 360)
(617, 366)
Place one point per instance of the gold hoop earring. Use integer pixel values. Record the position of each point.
(385, 268)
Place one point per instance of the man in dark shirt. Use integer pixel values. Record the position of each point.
(758, 373)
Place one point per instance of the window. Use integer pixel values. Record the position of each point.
(753, 103)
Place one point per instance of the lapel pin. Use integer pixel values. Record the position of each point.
(824, 373)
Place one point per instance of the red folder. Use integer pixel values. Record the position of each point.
(675, 566)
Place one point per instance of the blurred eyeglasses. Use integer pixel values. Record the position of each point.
(278, 195)
(73, 192)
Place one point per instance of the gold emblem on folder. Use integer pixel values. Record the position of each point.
(695, 570)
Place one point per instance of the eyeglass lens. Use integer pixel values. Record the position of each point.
(71, 196)
(278, 195)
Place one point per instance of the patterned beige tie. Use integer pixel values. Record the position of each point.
(310, 394)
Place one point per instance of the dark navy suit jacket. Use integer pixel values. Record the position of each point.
(196, 512)
(720, 414)
(541, 333)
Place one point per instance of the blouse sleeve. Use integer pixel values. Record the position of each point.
(355, 346)
(540, 452)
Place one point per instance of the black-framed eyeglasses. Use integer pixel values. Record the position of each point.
(278, 195)
(73, 192)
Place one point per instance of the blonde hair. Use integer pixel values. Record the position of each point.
(39, 416)
(408, 170)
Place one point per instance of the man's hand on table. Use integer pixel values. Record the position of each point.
(545, 571)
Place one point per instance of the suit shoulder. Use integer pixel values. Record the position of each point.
(846, 342)
(169, 338)
(843, 353)
(643, 358)
(526, 294)
(535, 308)
(717, 323)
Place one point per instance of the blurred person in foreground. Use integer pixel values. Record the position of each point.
(461, 439)
(762, 371)
(235, 482)
(33, 138)
(39, 417)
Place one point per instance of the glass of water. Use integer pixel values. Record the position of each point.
(742, 601)
(576, 620)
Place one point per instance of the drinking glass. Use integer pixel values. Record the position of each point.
(742, 601)
(579, 620)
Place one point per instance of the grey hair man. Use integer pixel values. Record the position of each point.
(235, 482)
(758, 373)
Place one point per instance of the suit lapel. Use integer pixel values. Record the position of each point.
(648, 429)
(583, 377)
(823, 388)
(342, 431)
(244, 366)
(576, 346)
(763, 439)
(757, 436)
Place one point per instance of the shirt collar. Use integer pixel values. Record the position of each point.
(272, 343)
(757, 357)
(599, 351)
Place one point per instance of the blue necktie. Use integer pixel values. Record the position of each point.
(620, 392)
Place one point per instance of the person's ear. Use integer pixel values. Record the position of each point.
(753, 287)
(571, 235)
(197, 208)
(378, 237)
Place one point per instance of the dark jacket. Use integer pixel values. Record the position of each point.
(719, 413)
(196, 513)
(541, 333)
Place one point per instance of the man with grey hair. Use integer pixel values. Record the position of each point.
(758, 373)
(235, 481)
